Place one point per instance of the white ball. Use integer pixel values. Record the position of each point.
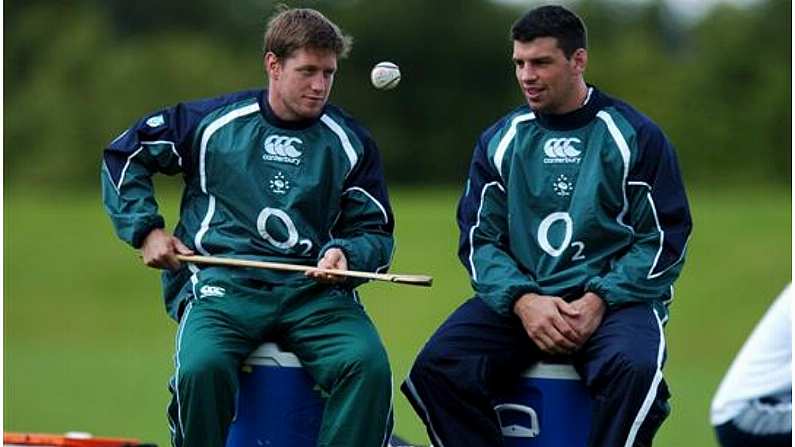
(385, 75)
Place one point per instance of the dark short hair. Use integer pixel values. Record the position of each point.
(292, 29)
(552, 21)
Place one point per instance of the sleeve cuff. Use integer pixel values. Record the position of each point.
(345, 246)
(144, 229)
(503, 303)
(596, 285)
(347, 249)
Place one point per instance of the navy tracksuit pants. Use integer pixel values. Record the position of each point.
(477, 352)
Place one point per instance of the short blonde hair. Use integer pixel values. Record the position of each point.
(292, 29)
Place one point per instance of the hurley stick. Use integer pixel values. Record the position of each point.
(414, 280)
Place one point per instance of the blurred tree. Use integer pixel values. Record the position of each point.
(456, 80)
(75, 87)
(738, 94)
(78, 72)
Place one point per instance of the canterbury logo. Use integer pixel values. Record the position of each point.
(282, 149)
(562, 150)
(206, 291)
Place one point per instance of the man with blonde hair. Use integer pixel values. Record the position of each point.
(274, 175)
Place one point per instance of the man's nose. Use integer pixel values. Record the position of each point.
(527, 73)
(319, 83)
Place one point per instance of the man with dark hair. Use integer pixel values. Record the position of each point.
(574, 224)
(276, 175)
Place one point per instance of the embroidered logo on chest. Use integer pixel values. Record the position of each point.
(279, 184)
(562, 150)
(282, 149)
(562, 186)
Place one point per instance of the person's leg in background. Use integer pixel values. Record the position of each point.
(753, 403)
(765, 422)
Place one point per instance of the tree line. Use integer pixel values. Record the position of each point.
(78, 72)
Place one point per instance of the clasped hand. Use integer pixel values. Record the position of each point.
(558, 327)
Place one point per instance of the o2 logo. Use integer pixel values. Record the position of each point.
(546, 245)
(292, 233)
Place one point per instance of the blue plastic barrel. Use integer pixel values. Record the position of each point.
(548, 407)
(278, 404)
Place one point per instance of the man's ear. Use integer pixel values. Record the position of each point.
(579, 60)
(273, 66)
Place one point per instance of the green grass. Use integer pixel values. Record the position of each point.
(87, 345)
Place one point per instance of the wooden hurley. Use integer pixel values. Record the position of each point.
(414, 280)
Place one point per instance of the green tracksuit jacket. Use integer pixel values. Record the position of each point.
(559, 205)
(255, 187)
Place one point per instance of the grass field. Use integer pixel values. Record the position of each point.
(87, 345)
